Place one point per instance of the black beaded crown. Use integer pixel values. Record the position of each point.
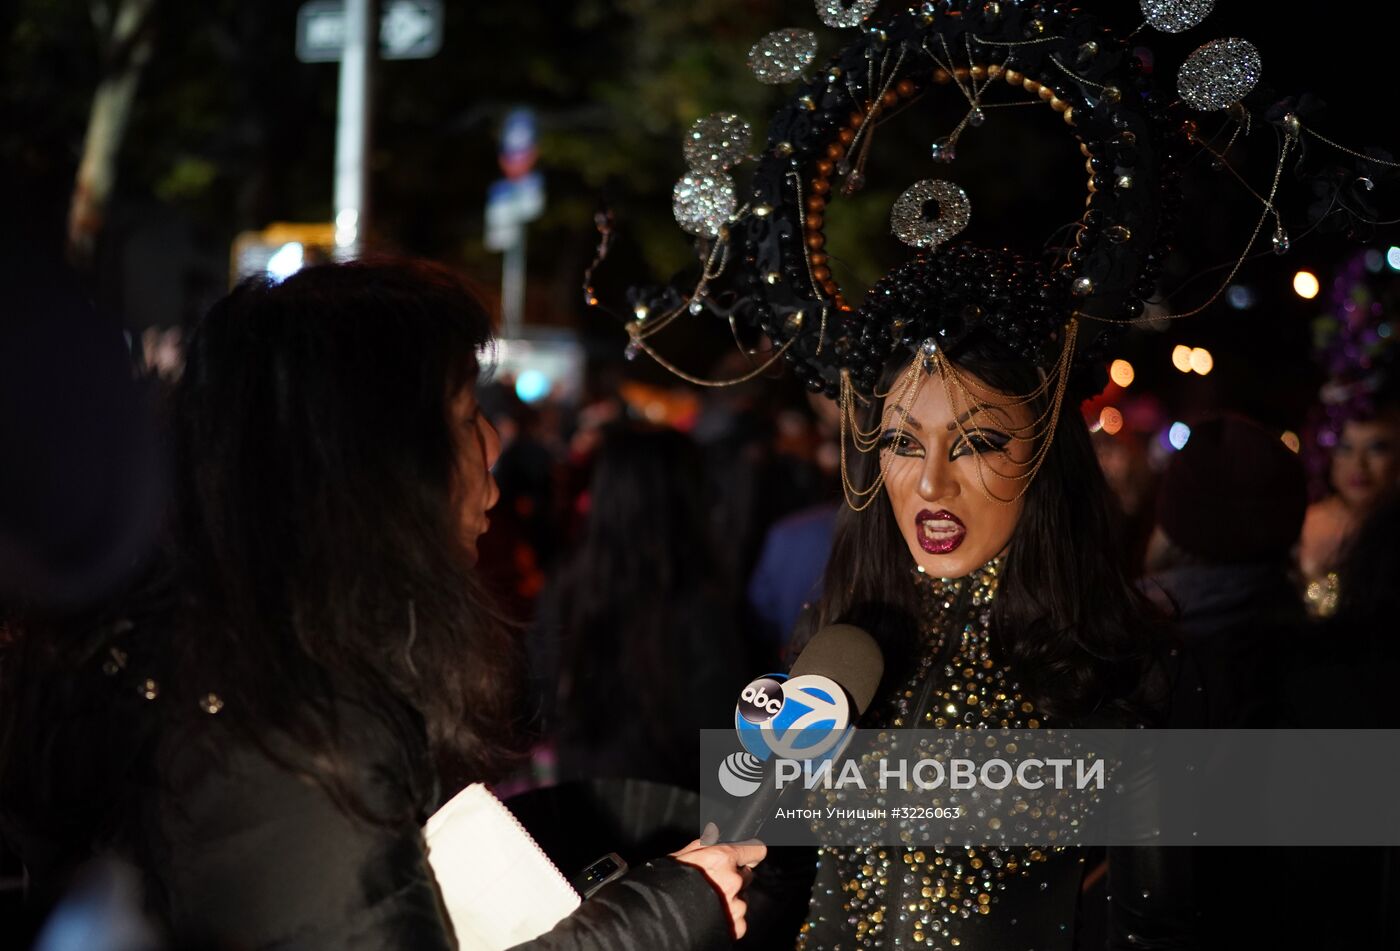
(946, 296)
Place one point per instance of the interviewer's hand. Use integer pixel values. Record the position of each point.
(729, 867)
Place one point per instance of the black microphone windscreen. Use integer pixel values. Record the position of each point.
(849, 656)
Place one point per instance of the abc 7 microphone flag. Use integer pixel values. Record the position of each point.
(805, 718)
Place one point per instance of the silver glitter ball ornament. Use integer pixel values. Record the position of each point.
(976, 117)
(781, 56)
(1281, 241)
(910, 225)
(717, 141)
(842, 16)
(1176, 16)
(1218, 74)
(703, 202)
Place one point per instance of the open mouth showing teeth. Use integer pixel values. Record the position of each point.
(939, 532)
(940, 528)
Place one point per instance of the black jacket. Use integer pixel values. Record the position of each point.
(1238, 623)
(240, 849)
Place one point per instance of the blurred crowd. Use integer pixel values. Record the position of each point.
(688, 545)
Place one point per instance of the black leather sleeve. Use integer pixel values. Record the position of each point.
(663, 904)
(260, 857)
(1152, 902)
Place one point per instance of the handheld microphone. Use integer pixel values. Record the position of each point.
(843, 654)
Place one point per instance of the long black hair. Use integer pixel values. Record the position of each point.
(642, 610)
(1078, 634)
(314, 555)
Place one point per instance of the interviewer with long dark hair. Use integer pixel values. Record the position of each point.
(260, 731)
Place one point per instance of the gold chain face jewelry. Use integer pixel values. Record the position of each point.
(859, 499)
(1039, 431)
(1040, 436)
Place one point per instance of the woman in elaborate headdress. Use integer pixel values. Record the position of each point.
(987, 565)
(1354, 450)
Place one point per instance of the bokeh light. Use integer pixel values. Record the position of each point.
(1110, 420)
(1181, 358)
(1392, 257)
(1290, 439)
(1240, 297)
(1305, 284)
(1201, 361)
(532, 386)
(286, 261)
(1121, 372)
(1178, 435)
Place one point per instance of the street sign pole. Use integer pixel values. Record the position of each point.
(513, 287)
(352, 127)
(510, 203)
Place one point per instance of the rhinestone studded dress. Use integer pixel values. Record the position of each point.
(947, 897)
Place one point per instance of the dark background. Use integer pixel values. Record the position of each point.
(230, 132)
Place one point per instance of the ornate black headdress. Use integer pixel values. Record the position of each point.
(763, 245)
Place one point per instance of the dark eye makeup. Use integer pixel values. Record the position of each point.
(980, 441)
(977, 441)
(900, 443)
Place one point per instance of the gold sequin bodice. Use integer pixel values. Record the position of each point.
(887, 896)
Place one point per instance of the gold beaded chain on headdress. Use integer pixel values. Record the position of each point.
(905, 391)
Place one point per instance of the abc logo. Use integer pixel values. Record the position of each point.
(761, 700)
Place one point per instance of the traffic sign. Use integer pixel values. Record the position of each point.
(518, 151)
(510, 202)
(408, 29)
